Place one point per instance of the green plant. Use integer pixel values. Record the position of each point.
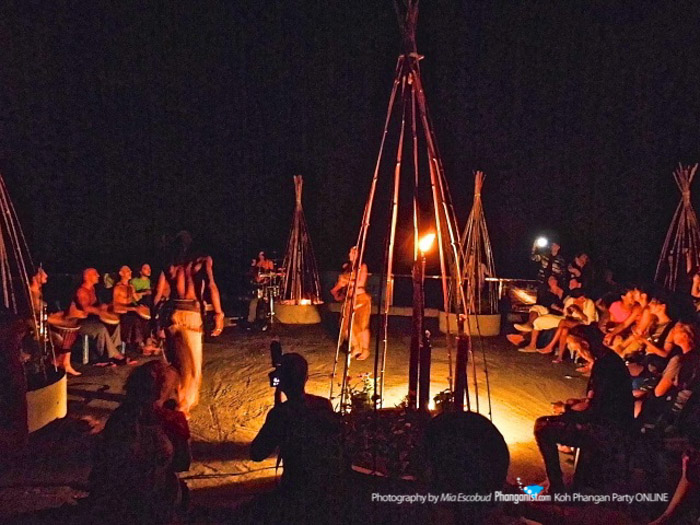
(360, 393)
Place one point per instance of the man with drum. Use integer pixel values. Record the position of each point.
(261, 273)
(94, 318)
(133, 318)
(62, 331)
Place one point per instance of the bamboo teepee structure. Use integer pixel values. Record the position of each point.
(16, 268)
(301, 284)
(681, 251)
(478, 257)
(417, 163)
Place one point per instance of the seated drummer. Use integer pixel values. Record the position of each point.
(39, 279)
(144, 288)
(142, 285)
(62, 356)
(88, 310)
(134, 327)
(263, 264)
(260, 269)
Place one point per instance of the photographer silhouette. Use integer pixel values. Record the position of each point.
(304, 428)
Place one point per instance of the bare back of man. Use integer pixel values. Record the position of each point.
(182, 285)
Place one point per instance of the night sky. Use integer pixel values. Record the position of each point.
(123, 121)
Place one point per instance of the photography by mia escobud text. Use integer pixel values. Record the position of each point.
(530, 494)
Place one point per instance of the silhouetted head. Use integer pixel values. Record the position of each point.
(581, 259)
(467, 453)
(144, 384)
(294, 371)
(181, 248)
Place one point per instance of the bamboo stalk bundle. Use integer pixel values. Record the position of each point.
(408, 111)
(16, 268)
(482, 296)
(681, 250)
(301, 283)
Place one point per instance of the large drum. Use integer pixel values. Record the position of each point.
(109, 318)
(63, 331)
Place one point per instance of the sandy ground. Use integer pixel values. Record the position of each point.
(235, 397)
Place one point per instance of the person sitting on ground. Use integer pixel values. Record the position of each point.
(588, 423)
(551, 263)
(579, 312)
(613, 309)
(654, 348)
(680, 377)
(141, 448)
(86, 308)
(577, 309)
(550, 299)
(641, 329)
(639, 301)
(133, 326)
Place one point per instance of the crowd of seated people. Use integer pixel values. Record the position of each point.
(640, 347)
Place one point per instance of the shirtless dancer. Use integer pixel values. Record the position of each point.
(181, 287)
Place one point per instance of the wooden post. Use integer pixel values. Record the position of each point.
(461, 392)
(418, 274)
(426, 355)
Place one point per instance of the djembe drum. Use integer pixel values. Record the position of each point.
(63, 331)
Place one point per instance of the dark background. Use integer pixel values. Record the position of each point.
(124, 121)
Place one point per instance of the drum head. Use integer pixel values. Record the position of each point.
(109, 318)
(60, 321)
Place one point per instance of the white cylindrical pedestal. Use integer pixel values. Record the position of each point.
(297, 313)
(47, 403)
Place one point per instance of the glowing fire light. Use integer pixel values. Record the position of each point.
(304, 301)
(426, 243)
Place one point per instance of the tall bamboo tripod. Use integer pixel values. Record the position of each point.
(407, 102)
